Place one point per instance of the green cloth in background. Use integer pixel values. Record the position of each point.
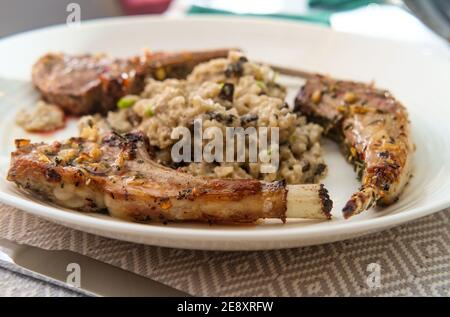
(319, 11)
(315, 16)
(341, 5)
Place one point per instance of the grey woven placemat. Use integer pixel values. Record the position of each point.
(414, 259)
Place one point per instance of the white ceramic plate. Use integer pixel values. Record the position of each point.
(421, 81)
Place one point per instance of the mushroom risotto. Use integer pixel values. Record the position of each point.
(225, 92)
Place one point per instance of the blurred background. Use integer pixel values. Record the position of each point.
(422, 21)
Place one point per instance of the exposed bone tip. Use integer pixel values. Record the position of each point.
(349, 209)
(327, 203)
(308, 201)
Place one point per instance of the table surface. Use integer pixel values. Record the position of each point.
(16, 284)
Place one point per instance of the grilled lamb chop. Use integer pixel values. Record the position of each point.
(86, 84)
(374, 131)
(116, 173)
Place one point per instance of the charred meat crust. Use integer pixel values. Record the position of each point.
(349, 208)
(83, 84)
(365, 198)
(69, 174)
(86, 84)
(329, 118)
(374, 132)
(278, 188)
(327, 203)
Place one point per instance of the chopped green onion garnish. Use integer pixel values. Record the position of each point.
(293, 138)
(149, 111)
(275, 76)
(261, 84)
(127, 102)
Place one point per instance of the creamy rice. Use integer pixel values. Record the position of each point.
(226, 92)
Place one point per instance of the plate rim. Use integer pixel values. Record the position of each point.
(38, 208)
